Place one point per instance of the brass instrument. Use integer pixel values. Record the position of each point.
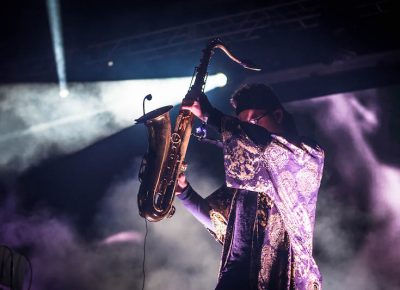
(163, 160)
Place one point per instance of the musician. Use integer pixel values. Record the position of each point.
(264, 215)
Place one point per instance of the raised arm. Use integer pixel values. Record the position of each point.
(201, 107)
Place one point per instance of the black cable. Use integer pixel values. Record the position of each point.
(148, 97)
(144, 256)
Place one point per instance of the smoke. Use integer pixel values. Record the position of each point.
(180, 252)
(358, 218)
(36, 123)
(357, 222)
(61, 260)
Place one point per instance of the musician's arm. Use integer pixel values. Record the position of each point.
(232, 125)
(196, 205)
(212, 211)
(201, 107)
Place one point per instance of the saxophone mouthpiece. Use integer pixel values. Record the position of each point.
(246, 63)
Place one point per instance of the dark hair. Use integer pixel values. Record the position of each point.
(260, 96)
(255, 96)
(288, 124)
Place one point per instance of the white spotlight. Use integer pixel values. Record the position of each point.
(64, 93)
(124, 98)
(221, 80)
(218, 80)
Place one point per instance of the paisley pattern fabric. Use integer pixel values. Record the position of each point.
(276, 265)
(220, 204)
(287, 178)
(271, 263)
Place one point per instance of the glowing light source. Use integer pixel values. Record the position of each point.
(125, 97)
(221, 80)
(64, 93)
(218, 80)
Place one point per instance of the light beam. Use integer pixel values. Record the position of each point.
(53, 9)
(121, 100)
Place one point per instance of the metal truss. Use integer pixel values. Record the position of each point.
(286, 15)
(297, 15)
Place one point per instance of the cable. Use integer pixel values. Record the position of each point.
(148, 97)
(144, 256)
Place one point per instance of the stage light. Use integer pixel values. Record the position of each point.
(125, 97)
(110, 63)
(64, 93)
(220, 80)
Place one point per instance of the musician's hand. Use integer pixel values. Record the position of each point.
(197, 103)
(182, 184)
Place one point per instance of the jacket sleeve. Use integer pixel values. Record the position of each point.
(230, 126)
(212, 211)
(196, 205)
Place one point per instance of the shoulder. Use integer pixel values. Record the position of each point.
(312, 146)
(300, 145)
(309, 142)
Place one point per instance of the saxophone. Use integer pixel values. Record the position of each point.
(163, 161)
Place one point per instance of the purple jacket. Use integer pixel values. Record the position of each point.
(265, 214)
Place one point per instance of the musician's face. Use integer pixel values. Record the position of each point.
(269, 120)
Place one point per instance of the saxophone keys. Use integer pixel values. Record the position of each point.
(171, 212)
(183, 166)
